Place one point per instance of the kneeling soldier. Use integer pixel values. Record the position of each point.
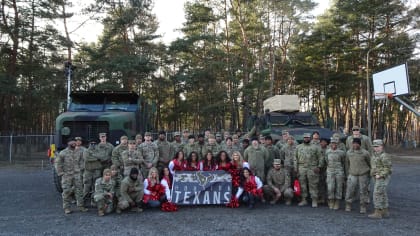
(104, 193)
(278, 184)
(131, 192)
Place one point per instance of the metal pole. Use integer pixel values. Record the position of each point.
(368, 95)
(68, 71)
(10, 148)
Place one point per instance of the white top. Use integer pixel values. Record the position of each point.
(167, 189)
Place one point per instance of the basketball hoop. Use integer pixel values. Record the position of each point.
(382, 96)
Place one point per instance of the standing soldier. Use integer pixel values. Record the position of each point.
(68, 165)
(219, 139)
(92, 169)
(256, 155)
(185, 136)
(118, 150)
(177, 145)
(104, 150)
(315, 138)
(340, 144)
(80, 149)
(283, 141)
(236, 143)
(191, 146)
(131, 192)
(307, 163)
(365, 141)
(150, 153)
(105, 193)
(322, 186)
(273, 153)
(139, 140)
(131, 158)
(165, 151)
(211, 146)
(335, 159)
(228, 147)
(357, 168)
(288, 154)
(381, 173)
(278, 184)
(201, 144)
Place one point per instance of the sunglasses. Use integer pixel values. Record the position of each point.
(355, 129)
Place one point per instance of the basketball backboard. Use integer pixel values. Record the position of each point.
(392, 81)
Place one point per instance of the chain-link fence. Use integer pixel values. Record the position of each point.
(24, 147)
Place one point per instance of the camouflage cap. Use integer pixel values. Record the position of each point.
(284, 132)
(191, 136)
(218, 135)
(235, 136)
(123, 137)
(139, 136)
(131, 141)
(177, 133)
(291, 137)
(307, 135)
(185, 131)
(334, 140)
(102, 134)
(147, 134)
(336, 135)
(78, 138)
(277, 162)
(211, 136)
(377, 142)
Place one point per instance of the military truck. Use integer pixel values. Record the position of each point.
(89, 113)
(282, 113)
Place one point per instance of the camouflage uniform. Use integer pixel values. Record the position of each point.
(131, 159)
(366, 143)
(357, 167)
(68, 165)
(322, 186)
(150, 153)
(117, 156)
(381, 166)
(103, 201)
(189, 148)
(104, 151)
(307, 159)
(131, 192)
(176, 147)
(165, 153)
(273, 153)
(288, 154)
(79, 151)
(279, 179)
(256, 159)
(93, 169)
(335, 173)
(213, 148)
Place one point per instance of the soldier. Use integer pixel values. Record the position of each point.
(118, 150)
(235, 143)
(150, 153)
(68, 165)
(335, 159)
(177, 145)
(139, 140)
(104, 150)
(245, 145)
(211, 146)
(131, 192)
(322, 186)
(165, 150)
(278, 184)
(283, 141)
(131, 158)
(219, 138)
(200, 145)
(381, 173)
(80, 149)
(287, 154)
(340, 145)
(256, 155)
(228, 147)
(192, 146)
(307, 163)
(357, 168)
(185, 136)
(105, 193)
(117, 178)
(92, 171)
(273, 152)
(365, 141)
(315, 138)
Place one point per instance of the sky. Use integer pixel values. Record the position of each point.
(170, 14)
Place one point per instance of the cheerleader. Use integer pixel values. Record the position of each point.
(193, 164)
(166, 182)
(250, 188)
(154, 192)
(223, 161)
(208, 164)
(178, 163)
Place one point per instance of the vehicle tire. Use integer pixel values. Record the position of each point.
(57, 181)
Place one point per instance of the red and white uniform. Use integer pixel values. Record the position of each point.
(204, 167)
(224, 166)
(253, 185)
(152, 192)
(176, 165)
(190, 167)
(167, 185)
(235, 173)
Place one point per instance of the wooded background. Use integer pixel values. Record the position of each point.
(233, 55)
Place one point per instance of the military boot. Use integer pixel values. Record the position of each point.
(336, 204)
(330, 203)
(83, 209)
(314, 203)
(362, 208)
(377, 214)
(385, 212)
(288, 202)
(303, 203)
(67, 211)
(101, 212)
(348, 206)
(118, 211)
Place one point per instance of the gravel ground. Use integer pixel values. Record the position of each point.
(30, 205)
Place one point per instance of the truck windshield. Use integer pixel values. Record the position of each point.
(103, 103)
